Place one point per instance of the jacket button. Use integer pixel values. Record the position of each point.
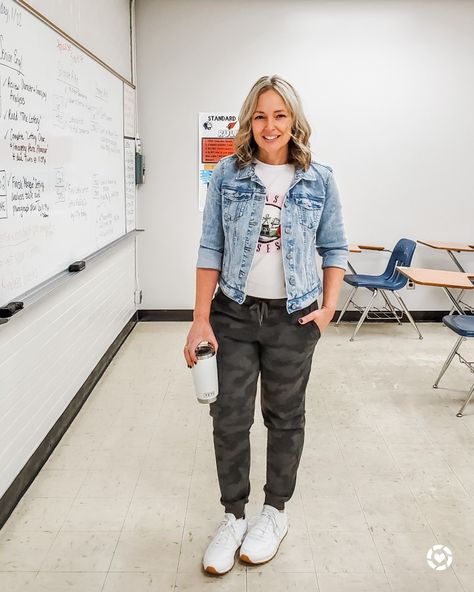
(289, 256)
(287, 230)
(292, 281)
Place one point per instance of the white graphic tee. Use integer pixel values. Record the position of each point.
(266, 277)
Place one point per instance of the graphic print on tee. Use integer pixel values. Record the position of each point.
(266, 278)
(269, 240)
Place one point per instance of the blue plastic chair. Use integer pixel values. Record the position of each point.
(462, 325)
(391, 280)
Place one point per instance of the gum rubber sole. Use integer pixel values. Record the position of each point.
(210, 569)
(246, 559)
(213, 571)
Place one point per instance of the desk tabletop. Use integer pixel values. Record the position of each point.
(437, 277)
(353, 248)
(447, 246)
(371, 247)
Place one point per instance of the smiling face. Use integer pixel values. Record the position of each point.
(271, 127)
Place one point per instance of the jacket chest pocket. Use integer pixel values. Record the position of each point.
(309, 209)
(234, 204)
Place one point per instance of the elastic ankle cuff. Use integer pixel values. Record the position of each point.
(274, 502)
(238, 512)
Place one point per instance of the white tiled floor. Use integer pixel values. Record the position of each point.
(129, 498)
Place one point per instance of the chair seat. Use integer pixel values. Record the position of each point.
(461, 324)
(371, 281)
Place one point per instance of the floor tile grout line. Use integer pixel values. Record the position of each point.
(88, 472)
(60, 529)
(309, 537)
(422, 513)
(135, 488)
(339, 444)
(436, 538)
(187, 501)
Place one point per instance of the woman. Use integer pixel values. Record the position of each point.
(269, 209)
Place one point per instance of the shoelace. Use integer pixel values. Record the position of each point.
(261, 523)
(225, 529)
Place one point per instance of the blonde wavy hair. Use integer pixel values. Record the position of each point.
(299, 152)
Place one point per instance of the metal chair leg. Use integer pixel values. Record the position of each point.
(469, 397)
(351, 268)
(407, 312)
(364, 315)
(390, 305)
(453, 308)
(346, 304)
(448, 361)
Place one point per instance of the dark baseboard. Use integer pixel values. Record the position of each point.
(164, 315)
(28, 473)
(149, 315)
(420, 316)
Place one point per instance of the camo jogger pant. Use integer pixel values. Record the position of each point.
(260, 337)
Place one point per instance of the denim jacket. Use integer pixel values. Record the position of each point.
(311, 220)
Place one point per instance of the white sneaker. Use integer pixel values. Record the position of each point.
(219, 557)
(266, 531)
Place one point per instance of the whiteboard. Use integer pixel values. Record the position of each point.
(65, 188)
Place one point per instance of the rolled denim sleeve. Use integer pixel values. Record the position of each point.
(211, 246)
(331, 240)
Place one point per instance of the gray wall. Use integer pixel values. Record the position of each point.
(388, 87)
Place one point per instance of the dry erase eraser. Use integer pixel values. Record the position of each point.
(10, 309)
(77, 266)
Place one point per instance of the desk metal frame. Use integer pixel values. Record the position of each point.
(462, 359)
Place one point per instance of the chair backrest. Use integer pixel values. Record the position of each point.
(402, 254)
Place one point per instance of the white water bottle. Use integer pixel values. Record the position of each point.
(204, 373)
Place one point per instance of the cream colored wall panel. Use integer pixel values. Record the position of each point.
(54, 340)
(48, 350)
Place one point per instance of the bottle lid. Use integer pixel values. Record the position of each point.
(204, 350)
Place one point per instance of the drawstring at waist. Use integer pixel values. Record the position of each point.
(261, 305)
(262, 309)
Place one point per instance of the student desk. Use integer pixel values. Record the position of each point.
(441, 279)
(452, 248)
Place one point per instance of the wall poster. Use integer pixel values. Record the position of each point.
(216, 140)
